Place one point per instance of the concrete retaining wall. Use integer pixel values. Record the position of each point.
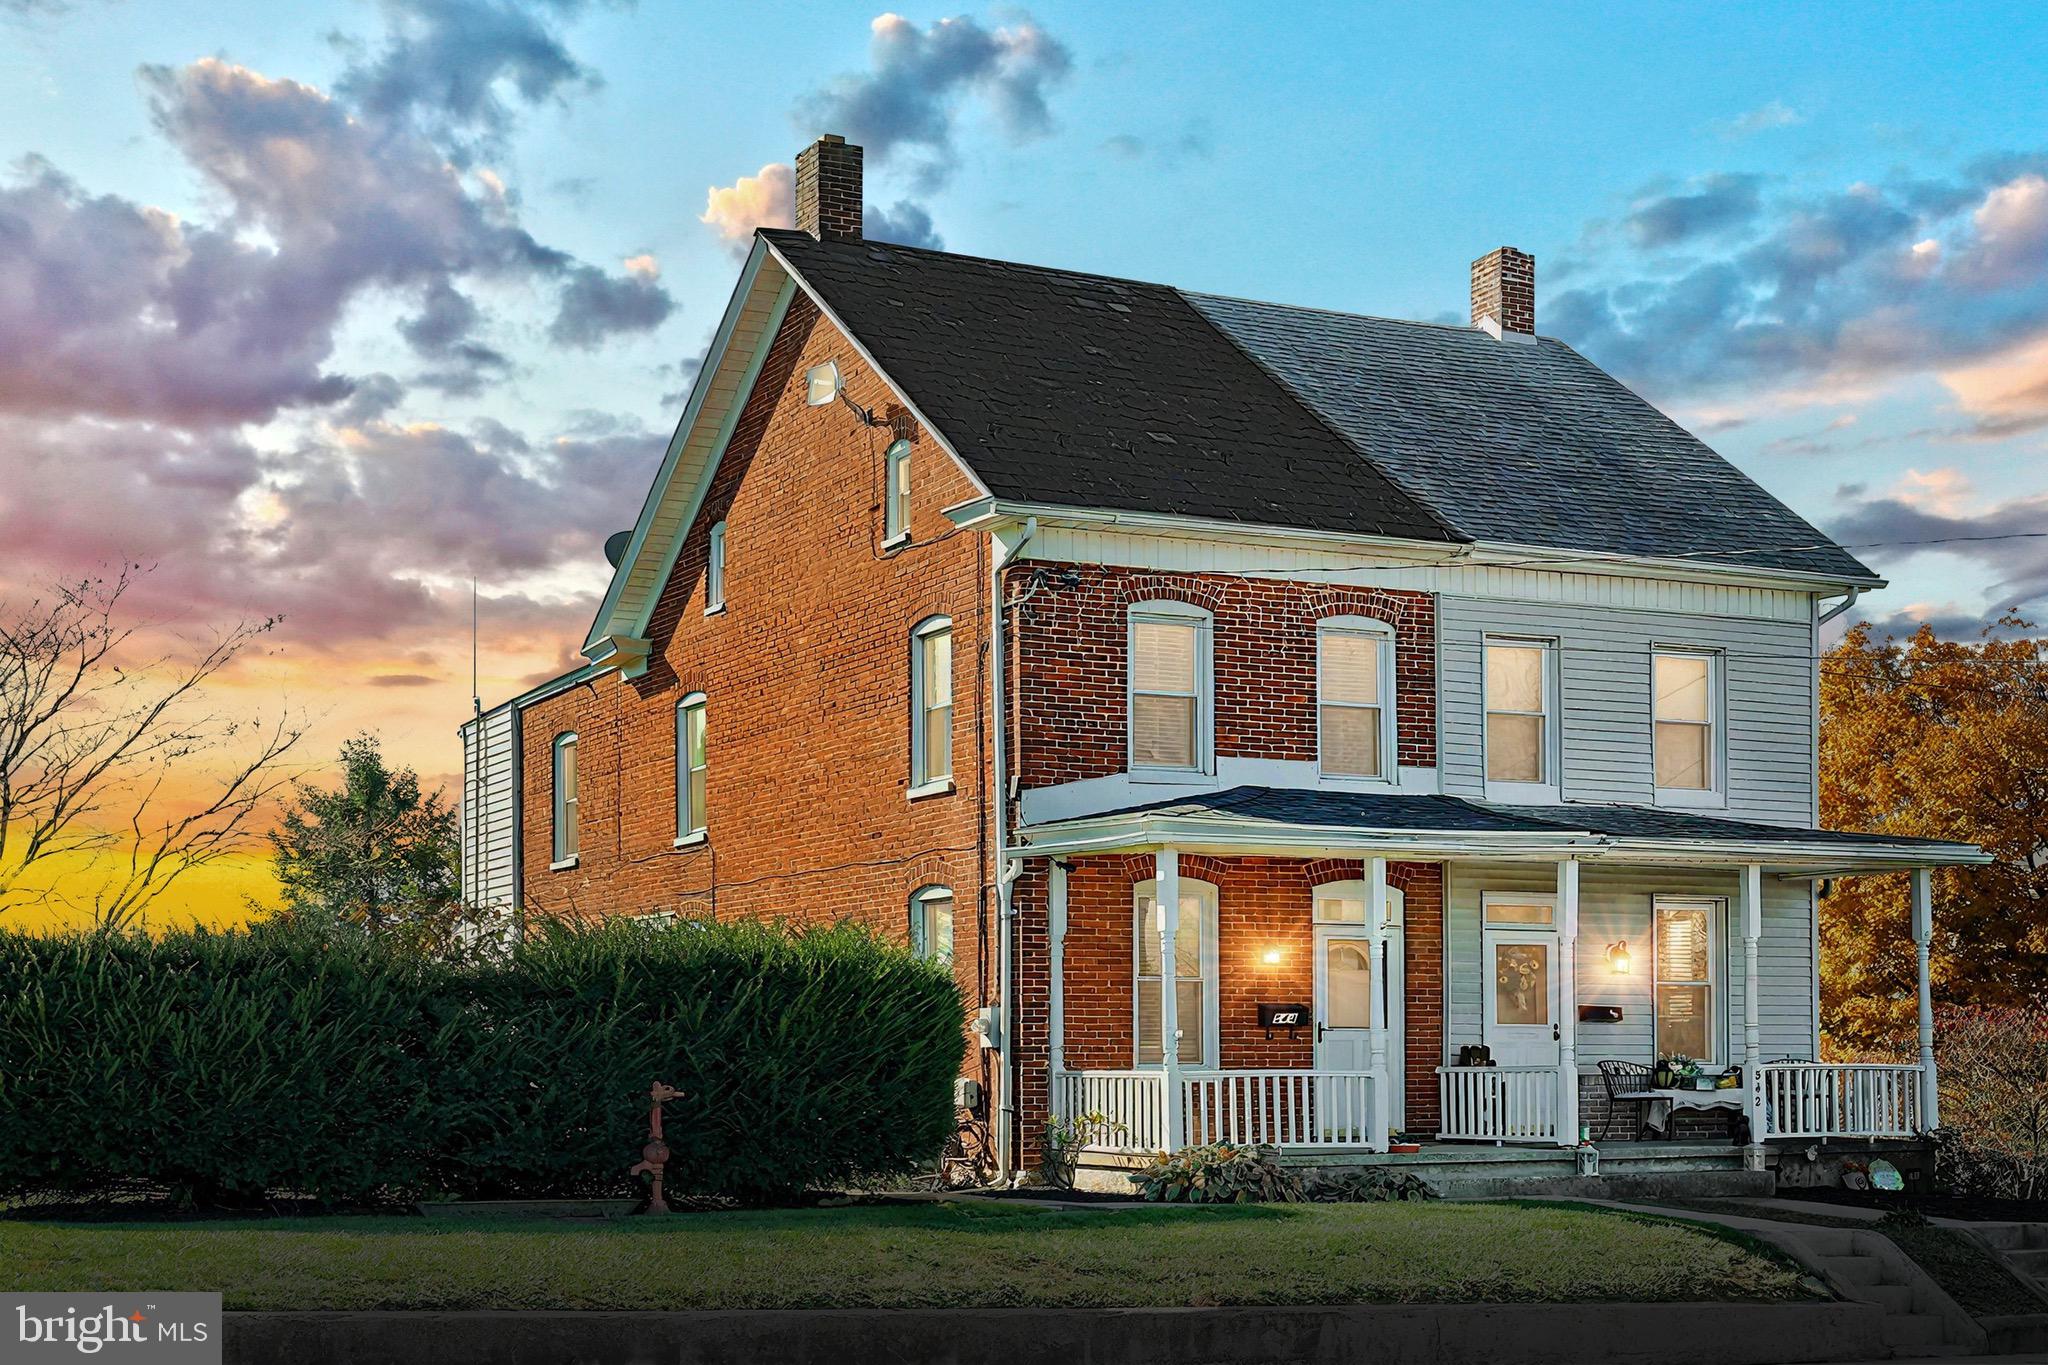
(1500, 1334)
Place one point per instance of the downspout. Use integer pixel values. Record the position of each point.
(1836, 610)
(1006, 874)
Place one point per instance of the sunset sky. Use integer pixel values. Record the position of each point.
(323, 308)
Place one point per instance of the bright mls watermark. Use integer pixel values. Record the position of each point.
(165, 1329)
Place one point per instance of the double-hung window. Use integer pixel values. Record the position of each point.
(896, 493)
(714, 572)
(1354, 695)
(691, 768)
(1169, 689)
(931, 922)
(1685, 934)
(1521, 718)
(1193, 972)
(1685, 688)
(566, 842)
(931, 703)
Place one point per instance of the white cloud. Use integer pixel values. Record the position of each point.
(765, 199)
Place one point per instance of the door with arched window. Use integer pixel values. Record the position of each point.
(1351, 987)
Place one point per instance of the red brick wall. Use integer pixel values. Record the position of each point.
(1261, 903)
(1073, 643)
(806, 671)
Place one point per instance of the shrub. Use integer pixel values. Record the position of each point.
(1220, 1173)
(1994, 1102)
(319, 1062)
(1364, 1185)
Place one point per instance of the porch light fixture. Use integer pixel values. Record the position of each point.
(823, 386)
(1617, 957)
(1272, 957)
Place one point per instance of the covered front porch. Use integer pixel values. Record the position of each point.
(1346, 967)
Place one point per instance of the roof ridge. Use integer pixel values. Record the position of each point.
(1461, 329)
(856, 243)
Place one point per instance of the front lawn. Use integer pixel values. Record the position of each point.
(931, 1255)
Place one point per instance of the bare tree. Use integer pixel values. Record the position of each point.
(90, 739)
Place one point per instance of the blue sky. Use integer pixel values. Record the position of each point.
(1821, 244)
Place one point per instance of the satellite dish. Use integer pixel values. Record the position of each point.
(615, 547)
(821, 384)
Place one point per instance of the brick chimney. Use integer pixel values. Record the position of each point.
(828, 189)
(1504, 294)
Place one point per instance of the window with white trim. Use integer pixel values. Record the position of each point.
(931, 922)
(896, 492)
(1685, 696)
(714, 572)
(1685, 933)
(1521, 713)
(691, 767)
(566, 839)
(931, 702)
(1169, 689)
(1194, 972)
(1354, 697)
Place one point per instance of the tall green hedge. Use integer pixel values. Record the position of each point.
(229, 1066)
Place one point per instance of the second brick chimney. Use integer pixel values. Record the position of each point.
(1504, 293)
(828, 189)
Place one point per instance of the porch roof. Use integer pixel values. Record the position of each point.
(1291, 822)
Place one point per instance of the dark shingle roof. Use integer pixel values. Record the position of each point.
(1452, 815)
(1087, 391)
(1523, 442)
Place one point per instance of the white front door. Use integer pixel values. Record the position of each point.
(1348, 991)
(1521, 996)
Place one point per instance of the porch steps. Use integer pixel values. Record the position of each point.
(1628, 1170)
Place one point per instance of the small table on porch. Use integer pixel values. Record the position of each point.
(1666, 1101)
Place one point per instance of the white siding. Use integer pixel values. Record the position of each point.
(1614, 904)
(490, 810)
(1577, 585)
(1604, 673)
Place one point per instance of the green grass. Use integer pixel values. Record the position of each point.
(930, 1255)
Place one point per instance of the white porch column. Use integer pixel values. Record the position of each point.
(1056, 984)
(1166, 889)
(1375, 920)
(1568, 1002)
(1750, 902)
(1923, 947)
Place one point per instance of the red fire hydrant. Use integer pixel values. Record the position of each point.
(655, 1154)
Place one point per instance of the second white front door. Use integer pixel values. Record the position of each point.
(1350, 987)
(1521, 997)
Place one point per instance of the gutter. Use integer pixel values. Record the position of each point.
(1008, 869)
(1082, 837)
(1411, 552)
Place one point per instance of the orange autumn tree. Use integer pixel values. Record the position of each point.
(1942, 739)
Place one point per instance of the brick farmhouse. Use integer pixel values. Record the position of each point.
(1292, 726)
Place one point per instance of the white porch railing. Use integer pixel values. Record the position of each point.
(1824, 1100)
(1280, 1108)
(1132, 1105)
(1499, 1103)
(1286, 1109)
